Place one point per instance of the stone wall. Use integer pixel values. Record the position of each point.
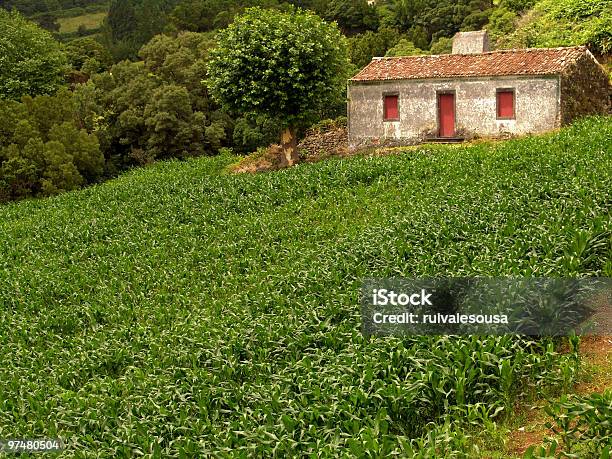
(471, 42)
(585, 89)
(536, 108)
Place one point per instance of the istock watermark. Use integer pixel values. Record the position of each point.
(491, 306)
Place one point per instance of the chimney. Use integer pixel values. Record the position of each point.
(471, 42)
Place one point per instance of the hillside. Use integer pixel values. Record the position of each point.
(181, 309)
(553, 23)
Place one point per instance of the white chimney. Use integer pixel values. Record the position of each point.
(471, 42)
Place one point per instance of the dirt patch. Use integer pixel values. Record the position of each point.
(270, 159)
(521, 440)
(596, 355)
(596, 352)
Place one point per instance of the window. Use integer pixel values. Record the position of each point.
(391, 108)
(505, 104)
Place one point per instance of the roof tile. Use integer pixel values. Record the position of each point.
(532, 61)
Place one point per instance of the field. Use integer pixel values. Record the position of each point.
(89, 21)
(181, 311)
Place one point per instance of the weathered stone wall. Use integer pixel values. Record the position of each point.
(536, 108)
(471, 42)
(585, 89)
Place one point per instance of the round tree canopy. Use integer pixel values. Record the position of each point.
(287, 66)
(31, 61)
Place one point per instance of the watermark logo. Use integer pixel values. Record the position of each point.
(491, 306)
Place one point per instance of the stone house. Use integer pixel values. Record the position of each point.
(473, 93)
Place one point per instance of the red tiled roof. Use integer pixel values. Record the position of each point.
(532, 61)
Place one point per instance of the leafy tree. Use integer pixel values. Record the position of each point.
(353, 16)
(48, 22)
(405, 48)
(501, 22)
(518, 6)
(249, 133)
(42, 151)
(287, 66)
(157, 108)
(87, 52)
(132, 23)
(428, 20)
(476, 20)
(31, 7)
(60, 173)
(443, 45)
(31, 61)
(362, 48)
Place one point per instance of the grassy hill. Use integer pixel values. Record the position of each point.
(553, 23)
(89, 21)
(182, 310)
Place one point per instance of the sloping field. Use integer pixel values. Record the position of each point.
(182, 310)
(89, 21)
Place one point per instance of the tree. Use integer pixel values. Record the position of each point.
(132, 23)
(444, 45)
(31, 61)
(82, 51)
(405, 48)
(287, 66)
(156, 108)
(42, 152)
(501, 22)
(364, 47)
(352, 15)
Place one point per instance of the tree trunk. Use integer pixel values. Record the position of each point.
(289, 146)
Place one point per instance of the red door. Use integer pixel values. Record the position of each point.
(446, 109)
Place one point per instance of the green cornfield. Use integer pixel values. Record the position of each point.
(182, 311)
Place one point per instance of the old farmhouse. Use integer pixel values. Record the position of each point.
(473, 92)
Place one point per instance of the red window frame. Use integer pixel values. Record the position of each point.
(505, 104)
(391, 107)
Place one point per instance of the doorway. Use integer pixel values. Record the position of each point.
(446, 114)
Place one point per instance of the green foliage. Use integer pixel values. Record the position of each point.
(362, 48)
(352, 16)
(405, 48)
(425, 21)
(253, 132)
(584, 425)
(156, 108)
(501, 23)
(42, 152)
(32, 7)
(87, 54)
(132, 23)
(443, 45)
(286, 66)
(31, 61)
(208, 15)
(187, 311)
(566, 23)
(518, 6)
